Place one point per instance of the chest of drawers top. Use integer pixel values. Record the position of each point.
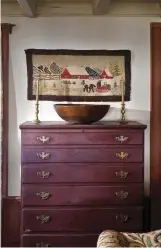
(101, 133)
(98, 125)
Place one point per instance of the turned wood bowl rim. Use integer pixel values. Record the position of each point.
(80, 105)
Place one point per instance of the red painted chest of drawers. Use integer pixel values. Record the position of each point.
(78, 180)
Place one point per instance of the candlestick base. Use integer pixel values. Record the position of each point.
(123, 120)
(36, 121)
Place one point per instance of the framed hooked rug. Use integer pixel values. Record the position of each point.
(79, 75)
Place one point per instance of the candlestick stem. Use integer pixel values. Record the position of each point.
(36, 121)
(123, 119)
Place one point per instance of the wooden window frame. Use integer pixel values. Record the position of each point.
(155, 126)
(6, 30)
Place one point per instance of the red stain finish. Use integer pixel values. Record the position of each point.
(78, 180)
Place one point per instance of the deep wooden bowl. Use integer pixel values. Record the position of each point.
(81, 113)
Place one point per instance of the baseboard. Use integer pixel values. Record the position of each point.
(11, 208)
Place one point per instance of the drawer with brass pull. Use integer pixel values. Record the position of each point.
(60, 240)
(75, 137)
(124, 194)
(81, 173)
(82, 154)
(73, 219)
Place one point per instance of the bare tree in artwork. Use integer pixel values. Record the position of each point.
(115, 84)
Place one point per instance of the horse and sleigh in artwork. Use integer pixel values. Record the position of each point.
(99, 87)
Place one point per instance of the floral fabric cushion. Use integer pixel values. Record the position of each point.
(111, 238)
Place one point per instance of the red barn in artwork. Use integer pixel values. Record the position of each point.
(65, 74)
(106, 75)
(74, 73)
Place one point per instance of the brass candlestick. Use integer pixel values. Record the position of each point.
(36, 121)
(123, 120)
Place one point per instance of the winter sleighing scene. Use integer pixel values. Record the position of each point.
(75, 79)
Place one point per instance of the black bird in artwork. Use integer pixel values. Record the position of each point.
(46, 70)
(40, 67)
(91, 72)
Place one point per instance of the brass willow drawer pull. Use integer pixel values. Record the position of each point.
(43, 195)
(43, 139)
(43, 218)
(43, 155)
(122, 174)
(122, 217)
(42, 244)
(122, 155)
(122, 139)
(122, 194)
(27, 230)
(43, 174)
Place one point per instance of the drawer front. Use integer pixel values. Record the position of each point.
(82, 154)
(38, 195)
(80, 173)
(43, 137)
(59, 240)
(84, 220)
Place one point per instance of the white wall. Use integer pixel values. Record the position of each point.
(76, 33)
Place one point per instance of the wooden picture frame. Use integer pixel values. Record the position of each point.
(79, 75)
